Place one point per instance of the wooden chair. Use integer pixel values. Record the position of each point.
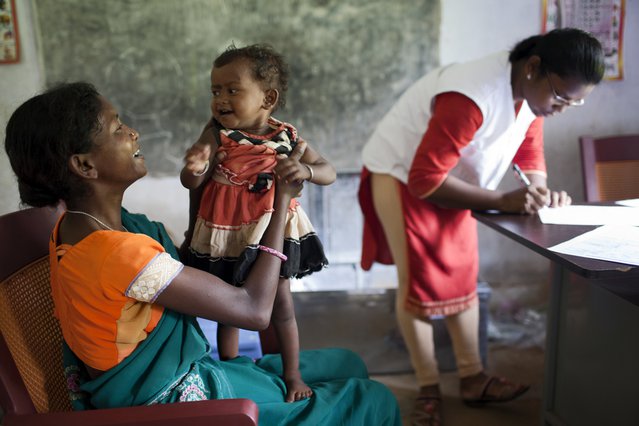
(610, 167)
(32, 388)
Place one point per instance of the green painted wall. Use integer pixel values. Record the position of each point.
(350, 59)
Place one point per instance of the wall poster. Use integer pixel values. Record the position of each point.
(603, 18)
(9, 42)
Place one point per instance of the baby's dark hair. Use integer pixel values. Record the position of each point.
(567, 52)
(268, 67)
(41, 136)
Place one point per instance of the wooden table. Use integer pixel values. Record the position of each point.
(591, 373)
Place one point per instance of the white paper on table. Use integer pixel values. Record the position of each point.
(615, 243)
(590, 215)
(633, 202)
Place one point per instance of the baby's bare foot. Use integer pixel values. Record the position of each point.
(296, 389)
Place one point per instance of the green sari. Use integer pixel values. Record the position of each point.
(173, 364)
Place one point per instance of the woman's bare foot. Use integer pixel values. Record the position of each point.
(427, 409)
(296, 389)
(481, 388)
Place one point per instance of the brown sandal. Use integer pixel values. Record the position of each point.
(427, 411)
(508, 392)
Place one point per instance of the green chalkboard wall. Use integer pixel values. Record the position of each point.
(350, 59)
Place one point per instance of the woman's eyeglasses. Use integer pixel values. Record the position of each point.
(561, 99)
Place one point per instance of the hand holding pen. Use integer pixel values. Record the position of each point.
(524, 179)
(540, 196)
(535, 197)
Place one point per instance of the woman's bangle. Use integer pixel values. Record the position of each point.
(310, 169)
(272, 251)
(206, 169)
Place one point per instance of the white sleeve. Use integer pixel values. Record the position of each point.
(154, 278)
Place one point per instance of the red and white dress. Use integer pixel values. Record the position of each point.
(457, 120)
(236, 208)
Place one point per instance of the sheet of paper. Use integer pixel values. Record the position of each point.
(615, 243)
(590, 215)
(633, 202)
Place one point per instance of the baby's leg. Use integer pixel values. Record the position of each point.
(285, 326)
(228, 341)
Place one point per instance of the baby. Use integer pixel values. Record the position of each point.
(250, 147)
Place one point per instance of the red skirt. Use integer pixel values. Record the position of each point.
(443, 258)
(230, 224)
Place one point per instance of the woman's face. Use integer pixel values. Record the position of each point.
(548, 94)
(116, 152)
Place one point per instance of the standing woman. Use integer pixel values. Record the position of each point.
(440, 152)
(127, 306)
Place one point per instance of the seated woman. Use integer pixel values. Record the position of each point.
(127, 306)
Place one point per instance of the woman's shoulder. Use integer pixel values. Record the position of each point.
(130, 241)
(102, 245)
(486, 81)
(106, 259)
(113, 238)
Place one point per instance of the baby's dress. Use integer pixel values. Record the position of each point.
(237, 204)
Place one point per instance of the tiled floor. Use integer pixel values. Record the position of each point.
(519, 364)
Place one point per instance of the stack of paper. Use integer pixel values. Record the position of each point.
(630, 203)
(615, 243)
(590, 215)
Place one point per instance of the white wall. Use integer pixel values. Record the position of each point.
(18, 82)
(163, 199)
(469, 29)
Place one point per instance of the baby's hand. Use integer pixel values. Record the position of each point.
(196, 158)
(290, 168)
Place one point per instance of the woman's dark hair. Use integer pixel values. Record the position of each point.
(268, 67)
(43, 133)
(567, 52)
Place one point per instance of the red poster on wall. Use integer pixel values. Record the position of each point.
(9, 40)
(602, 18)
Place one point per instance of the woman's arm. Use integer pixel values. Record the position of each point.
(198, 293)
(455, 193)
(453, 124)
(530, 158)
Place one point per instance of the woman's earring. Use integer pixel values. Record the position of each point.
(528, 76)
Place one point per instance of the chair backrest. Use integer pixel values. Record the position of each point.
(31, 376)
(610, 167)
(31, 373)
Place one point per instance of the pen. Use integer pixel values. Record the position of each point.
(521, 175)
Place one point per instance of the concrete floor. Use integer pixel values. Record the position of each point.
(507, 361)
(365, 323)
(521, 365)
